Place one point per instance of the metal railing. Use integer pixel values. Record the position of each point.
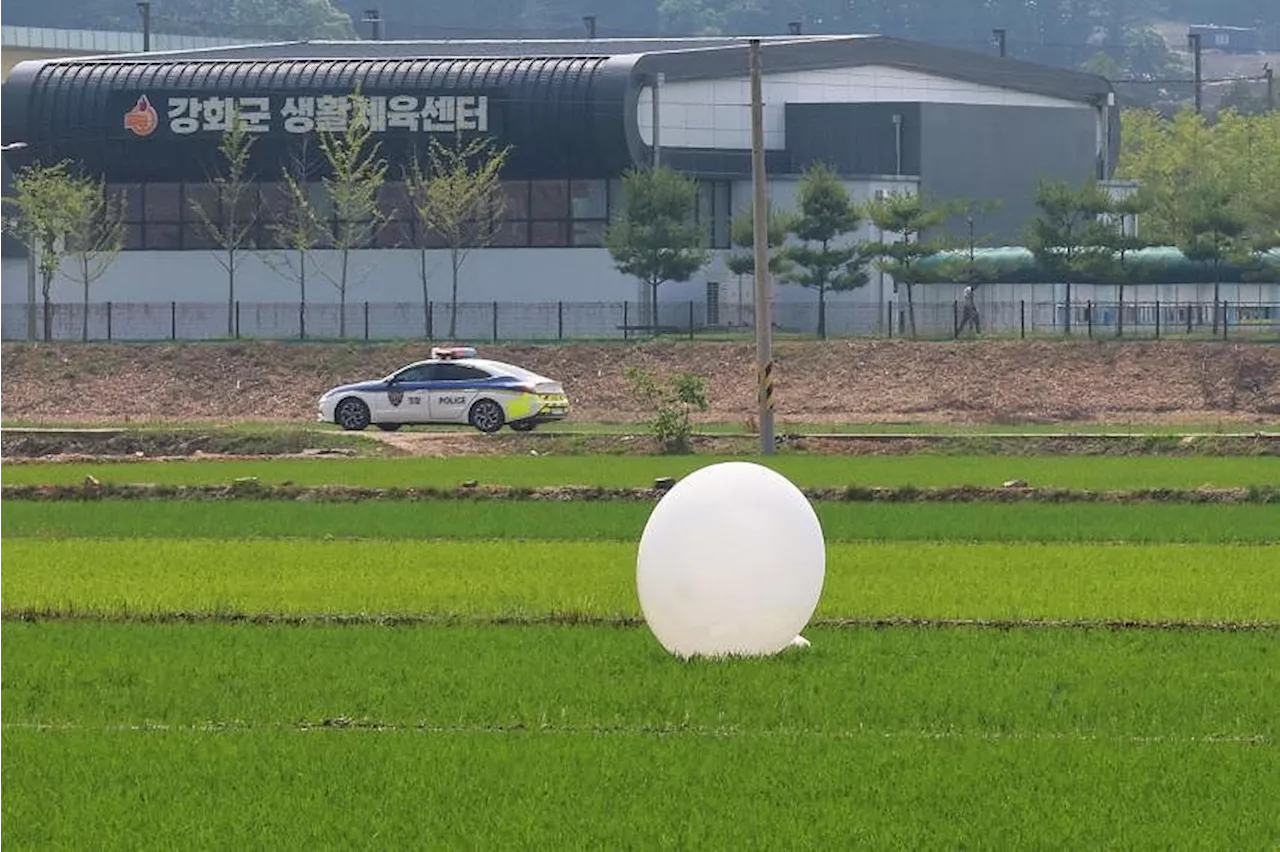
(551, 321)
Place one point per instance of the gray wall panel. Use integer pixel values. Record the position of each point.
(1001, 152)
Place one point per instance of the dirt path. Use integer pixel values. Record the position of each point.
(817, 382)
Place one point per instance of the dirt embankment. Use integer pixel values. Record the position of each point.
(829, 382)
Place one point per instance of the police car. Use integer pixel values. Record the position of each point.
(453, 386)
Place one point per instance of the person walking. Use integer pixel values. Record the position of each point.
(970, 315)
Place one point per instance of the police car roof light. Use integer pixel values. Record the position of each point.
(451, 352)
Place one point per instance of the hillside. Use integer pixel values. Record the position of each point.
(839, 381)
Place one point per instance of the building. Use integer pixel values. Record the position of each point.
(889, 115)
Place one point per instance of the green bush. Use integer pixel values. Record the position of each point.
(671, 403)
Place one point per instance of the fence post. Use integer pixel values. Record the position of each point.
(366, 321)
(431, 316)
(1088, 316)
(889, 320)
(559, 320)
(1022, 318)
(691, 319)
(625, 322)
(495, 322)
(1157, 319)
(173, 320)
(1188, 317)
(237, 318)
(108, 320)
(955, 317)
(1224, 319)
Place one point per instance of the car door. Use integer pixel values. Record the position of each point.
(454, 391)
(405, 399)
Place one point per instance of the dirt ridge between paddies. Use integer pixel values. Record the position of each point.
(250, 488)
(33, 614)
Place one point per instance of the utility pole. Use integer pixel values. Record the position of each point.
(373, 18)
(589, 21)
(760, 244)
(658, 80)
(1194, 40)
(1002, 41)
(1269, 73)
(144, 8)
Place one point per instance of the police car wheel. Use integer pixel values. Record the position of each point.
(352, 414)
(523, 426)
(487, 416)
(389, 427)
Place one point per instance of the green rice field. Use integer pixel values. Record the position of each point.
(249, 673)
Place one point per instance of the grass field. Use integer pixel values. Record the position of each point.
(515, 709)
(1087, 472)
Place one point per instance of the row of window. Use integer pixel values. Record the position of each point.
(540, 213)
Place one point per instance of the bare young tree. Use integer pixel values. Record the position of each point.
(97, 236)
(229, 218)
(357, 172)
(457, 196)
(296, 227)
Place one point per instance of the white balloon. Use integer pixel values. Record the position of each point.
(731, 562)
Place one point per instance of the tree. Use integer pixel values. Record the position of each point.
(908, 216)
(656, 239)
(1116, 241)
(1067, 236)
(45, 203)
(1216, 233)
(266, 20)
(823, 260)
(230, 222)
(356, 173)
(457, 196)
(297, 226)
(97, 236)
(742, 234)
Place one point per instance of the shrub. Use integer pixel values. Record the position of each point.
(671, 403)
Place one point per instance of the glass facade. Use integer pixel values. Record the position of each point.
(537, 214)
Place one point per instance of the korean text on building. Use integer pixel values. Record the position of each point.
(330, 113)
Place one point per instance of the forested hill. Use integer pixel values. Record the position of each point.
(1062, 32)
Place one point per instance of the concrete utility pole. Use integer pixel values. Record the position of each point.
(144, 8)
(1001, 40)
(658, 81)
(1194, 40)
(760, 241)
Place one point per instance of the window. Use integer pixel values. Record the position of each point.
(589, 199)
(517, 197)
(550, 199)
(590, 234)
(393, 201)
(395, 234)
(460, 373)
(713, 303)
(420, 373)
(548, 234)
(161, 235)
(511, 235)
(162, 202)
(131, 194)
(205, 197)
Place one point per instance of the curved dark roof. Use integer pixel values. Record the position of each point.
(568, 111)
(563, 116)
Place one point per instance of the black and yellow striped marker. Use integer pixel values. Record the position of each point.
(766, 384)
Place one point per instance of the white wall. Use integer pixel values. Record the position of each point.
(377, 275)
(717, 113)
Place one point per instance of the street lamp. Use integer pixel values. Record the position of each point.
(32, 248)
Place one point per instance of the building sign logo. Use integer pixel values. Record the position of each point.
(142, 119)
(188, 115)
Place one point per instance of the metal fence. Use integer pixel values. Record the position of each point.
(546, 321)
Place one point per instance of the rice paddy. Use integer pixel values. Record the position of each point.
(475, 674)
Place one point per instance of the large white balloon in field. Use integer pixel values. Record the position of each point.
(731, 562)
